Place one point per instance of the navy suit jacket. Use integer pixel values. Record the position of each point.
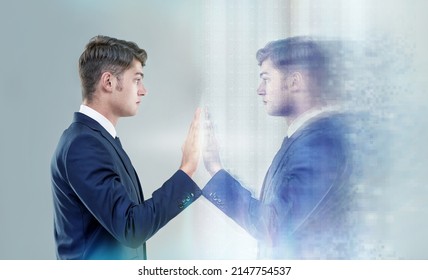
(100, 211)
(301, 213)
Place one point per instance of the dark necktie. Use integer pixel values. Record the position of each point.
(272, 170)
(118, 141)
(130, 168)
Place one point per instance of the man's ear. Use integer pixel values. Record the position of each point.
(295, 81)
(107, 81)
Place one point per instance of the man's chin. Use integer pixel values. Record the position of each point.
(273, 113)
(278, 112)
(131, 114)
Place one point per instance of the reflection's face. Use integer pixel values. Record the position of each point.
(128, 92)
(274, 90)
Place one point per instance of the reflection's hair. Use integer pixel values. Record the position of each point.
(302, 53)
(293, 51)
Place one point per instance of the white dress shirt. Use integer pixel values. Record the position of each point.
(304, 118)
(103, 121)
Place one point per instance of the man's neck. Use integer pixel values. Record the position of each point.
(98, 117)
(302, 119)
(100, 108)
(301, 112)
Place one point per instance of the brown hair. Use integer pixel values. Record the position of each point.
(294, 51)
(103, 54)
(301, 52)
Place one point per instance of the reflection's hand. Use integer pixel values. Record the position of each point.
(191, 147)
(210, 152)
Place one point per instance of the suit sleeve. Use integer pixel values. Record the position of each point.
(93, 176)
(312, 166)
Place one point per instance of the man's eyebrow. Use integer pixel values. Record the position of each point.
(140, 73)
(263, 73)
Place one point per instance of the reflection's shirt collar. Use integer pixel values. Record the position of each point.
(103, 121)
(304, 118)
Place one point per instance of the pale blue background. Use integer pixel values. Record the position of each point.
(202, 53)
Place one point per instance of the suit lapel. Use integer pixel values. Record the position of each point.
(277, 164)
(273, 168)
(79, 117)
(128, 165)
(283, 153)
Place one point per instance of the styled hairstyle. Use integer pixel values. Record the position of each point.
(299, 52)
(293, 51)
(104, 54)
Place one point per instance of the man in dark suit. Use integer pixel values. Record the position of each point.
(302, 209)
(100, 210)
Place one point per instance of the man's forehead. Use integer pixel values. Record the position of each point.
(137, 67)
(267, 67)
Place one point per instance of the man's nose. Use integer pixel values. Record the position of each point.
(261, 90)
(142, 90)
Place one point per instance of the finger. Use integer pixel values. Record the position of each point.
(210, 132)
(197, 115)
(196, 120)
(207, 114)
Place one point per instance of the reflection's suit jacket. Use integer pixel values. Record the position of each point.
(100, 211)
(301, 210)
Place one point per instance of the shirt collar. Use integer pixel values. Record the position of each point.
(103, 121)
(304, 118)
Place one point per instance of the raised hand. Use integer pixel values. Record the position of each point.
(191, 148)
(211, 154)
